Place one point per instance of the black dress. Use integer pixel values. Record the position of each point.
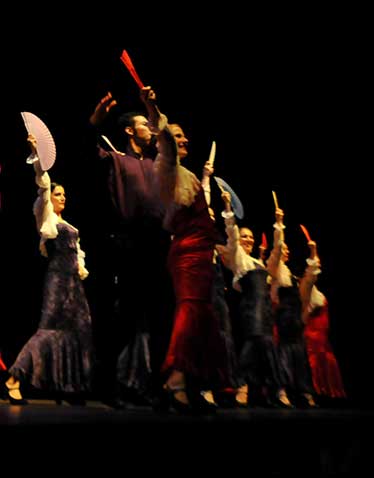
(58, 357)
(292, 347)
(258, 360)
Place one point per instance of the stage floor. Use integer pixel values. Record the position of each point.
(260, 442)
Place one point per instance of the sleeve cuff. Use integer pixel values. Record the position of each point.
(279, 227)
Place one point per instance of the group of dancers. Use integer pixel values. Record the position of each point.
(158, 327)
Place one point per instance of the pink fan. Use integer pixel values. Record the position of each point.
(46, 147)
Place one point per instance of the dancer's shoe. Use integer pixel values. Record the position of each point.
(14, 396)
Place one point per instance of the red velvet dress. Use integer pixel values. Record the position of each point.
(196, 347)
(326, 375)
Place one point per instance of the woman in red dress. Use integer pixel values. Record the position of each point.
(195, 357)
(326, 374)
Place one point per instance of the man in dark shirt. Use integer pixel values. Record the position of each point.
(132, 298)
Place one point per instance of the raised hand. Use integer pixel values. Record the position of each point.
(313, 250)
(208, 169)
(32, 143)
(102, 109)
(226, 196)
(279, 215)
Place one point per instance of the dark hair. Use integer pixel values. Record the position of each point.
(127, 119)
(54, 186)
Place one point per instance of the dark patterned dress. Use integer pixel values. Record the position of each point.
(58, 357)
(258, 357)
(292, 347)
(222, 311)
(259, 361)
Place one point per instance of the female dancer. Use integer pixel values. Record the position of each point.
(58, 357)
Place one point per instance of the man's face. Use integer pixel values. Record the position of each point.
(140, 132)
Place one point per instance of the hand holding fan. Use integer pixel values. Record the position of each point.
(236, 203)
(46, 147)
(312, 245)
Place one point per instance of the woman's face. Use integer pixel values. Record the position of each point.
(180, 139)
(246, 239)
(58, 199)
(285, 253)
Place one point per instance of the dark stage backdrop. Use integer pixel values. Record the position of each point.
(287, 120)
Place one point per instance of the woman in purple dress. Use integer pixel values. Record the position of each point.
(58, 357)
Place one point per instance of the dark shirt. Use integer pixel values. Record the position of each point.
(127, 190)
(133, 188)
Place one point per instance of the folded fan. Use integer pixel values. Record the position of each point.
(306, 233)
(212, 155)
(275, 199)
(264, 242)
(129, 65)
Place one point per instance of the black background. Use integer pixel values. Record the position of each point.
(288, 117)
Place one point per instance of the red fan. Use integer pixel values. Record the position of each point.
(128, 64)
(46, 147)
(264, 242)
(306, 233)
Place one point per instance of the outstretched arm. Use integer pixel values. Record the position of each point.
(177, 183)
(158, 122)
(278, 240)
(46, 219)
(232, 231)
(208, 170)
(167, 158)
(102, 109)
(309, 278)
